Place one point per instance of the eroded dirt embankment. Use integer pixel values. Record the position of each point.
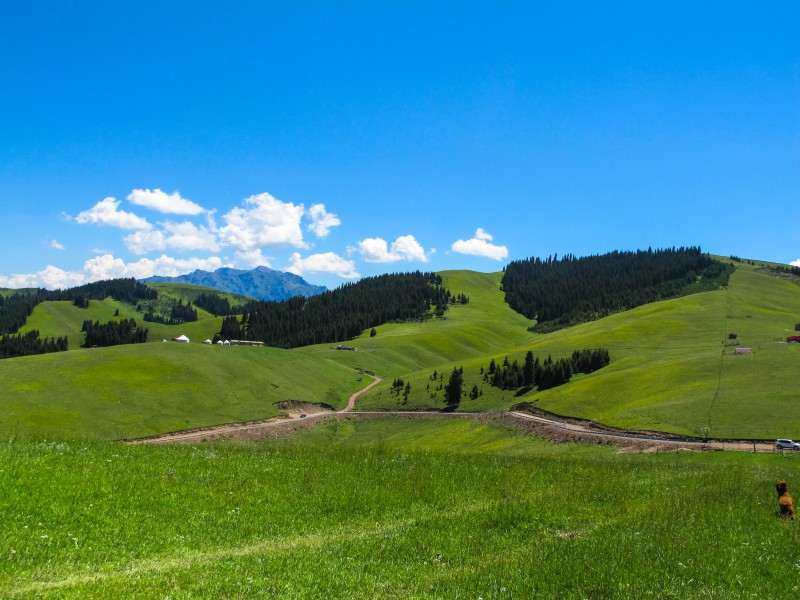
(294, 411)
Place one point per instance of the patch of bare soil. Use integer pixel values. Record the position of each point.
(593, 426)
(780, 274)
(552, 433)
(299, 407)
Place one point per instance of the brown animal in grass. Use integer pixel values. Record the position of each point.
(785, 502)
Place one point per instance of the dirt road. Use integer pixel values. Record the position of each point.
(544, 425)
(351, 403)
(582, 430)
(241, 429)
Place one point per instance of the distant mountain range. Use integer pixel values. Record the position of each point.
(262, 282)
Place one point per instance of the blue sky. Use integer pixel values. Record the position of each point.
(348, 139)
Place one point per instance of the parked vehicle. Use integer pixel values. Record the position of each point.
(787, 445)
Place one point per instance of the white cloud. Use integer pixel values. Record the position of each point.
(252, 258)
(323, 263)
(105, 213)
(480, 245)
(108, 267)
(185, 236)
(56, 246)
(50, 277)
(142, 242)
(321, 220)
(263, 221)
(165, 203)
(405, 247)
(795, 263)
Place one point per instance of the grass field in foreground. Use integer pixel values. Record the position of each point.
(379, 510)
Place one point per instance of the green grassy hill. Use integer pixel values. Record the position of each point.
(64, 318)
(142, 389)
(190, 293)
(672, 365)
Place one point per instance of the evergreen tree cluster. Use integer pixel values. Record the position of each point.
(561, 292)
(790, 269)
(81, 301)
(113, 333)
(179, 313)
(26, 344)
(544, 374)
(123, 290)
(217, 305)
(339, 314)
(15, 310)
(445, 299)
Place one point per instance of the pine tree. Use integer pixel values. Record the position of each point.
(453, 390)
(528, 370)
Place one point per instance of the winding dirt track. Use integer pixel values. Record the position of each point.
(621, 437)
(351, 403)
(562, 429)
(229, 429)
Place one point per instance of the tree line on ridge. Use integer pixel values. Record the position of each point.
(558, 293)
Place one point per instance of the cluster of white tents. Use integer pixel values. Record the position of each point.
(185, 340)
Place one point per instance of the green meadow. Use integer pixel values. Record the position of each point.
(388, 507)
(391, 508)
(672, 366)
(143, 389)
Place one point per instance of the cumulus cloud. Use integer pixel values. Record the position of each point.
(172, 204)
(263, 221)
(405, 247)
(795, 263)
(327, 262)
(185, 236)
(106, 212)
(321, 220)
(56, 246)
(50, 277)
(480, 245)
(252, 258)
(107, 267)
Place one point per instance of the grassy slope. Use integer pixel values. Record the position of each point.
(668, 370)
(64, 318)
(381, 509)
(143, 389)
(187, 291)
(483, 326)
(667, 359)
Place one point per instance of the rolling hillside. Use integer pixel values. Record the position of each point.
(142, 389)
(672, 366)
